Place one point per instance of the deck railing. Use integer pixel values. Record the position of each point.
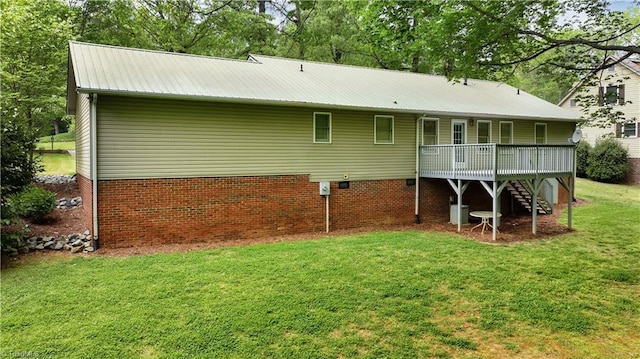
(494, 161)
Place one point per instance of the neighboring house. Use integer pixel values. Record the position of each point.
(620, 85)
(173, 147)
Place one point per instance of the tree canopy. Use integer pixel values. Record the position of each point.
(543, 46)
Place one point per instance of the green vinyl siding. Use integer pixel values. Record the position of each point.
(146, 138)
(83, 136)
(523, 131)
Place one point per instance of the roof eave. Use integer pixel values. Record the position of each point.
(253, 101)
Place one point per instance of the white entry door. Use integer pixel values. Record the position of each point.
(459, 137)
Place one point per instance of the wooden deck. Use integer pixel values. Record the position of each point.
(494, 162)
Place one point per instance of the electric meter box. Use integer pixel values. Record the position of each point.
(325, 188)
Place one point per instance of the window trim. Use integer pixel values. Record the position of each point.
(375, 130)
(510, 134)
(535, 133)
(454, 121)
(431, 119)
(315, 140)
(636, 125)
(478, 131)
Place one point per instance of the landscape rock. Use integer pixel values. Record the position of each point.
(76, 249)
(58, 246)
(40, 246)
(77, 243)
(23, 249)
(89, 249)
(56, 179)
(49, 244)
(67, 203)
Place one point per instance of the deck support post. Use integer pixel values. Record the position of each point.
(535, 185)
(495, 213)
(494, 191)
(569, 186)
(459, 189)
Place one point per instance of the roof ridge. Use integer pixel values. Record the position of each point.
(159, 52)
(498, 83)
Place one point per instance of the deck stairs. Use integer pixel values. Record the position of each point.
(522, 195)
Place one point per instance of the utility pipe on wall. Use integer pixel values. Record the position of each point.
(417, 209)
(326, 200)
(93, 148)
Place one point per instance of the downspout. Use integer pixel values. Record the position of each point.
(93, 98)
(417, 209)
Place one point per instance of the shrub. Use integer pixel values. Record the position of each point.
(11, 230)
(35, 202)
(583, 150)
(608, 162)
(18, 166)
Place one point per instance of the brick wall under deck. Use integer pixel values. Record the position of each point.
(164, 211)
(86, 191)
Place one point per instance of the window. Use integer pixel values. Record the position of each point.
(484, 131)
(611, 68)
(540, 133)
(630, 129)
(383, 129)
(572, 103)
(506, 132)
(430, 131)
(614, 94)
(321, 127)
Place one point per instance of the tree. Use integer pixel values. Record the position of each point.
(512, 32)
(322, 31)
(34, 59)
(400, 34)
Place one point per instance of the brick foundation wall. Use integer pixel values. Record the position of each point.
(164, 211)
(86, 191)
(372, 203)
(633, 175)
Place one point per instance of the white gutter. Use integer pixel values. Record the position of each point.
(93, 99)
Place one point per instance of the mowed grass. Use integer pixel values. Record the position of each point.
(62, 141)
(387, 294)
(66, 145)
(58, 163)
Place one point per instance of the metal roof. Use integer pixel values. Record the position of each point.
(270, 80)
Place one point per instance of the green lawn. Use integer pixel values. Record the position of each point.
(387, 294)
(58, 163)
(46, 145)
(62, 141)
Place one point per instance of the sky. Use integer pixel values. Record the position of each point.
(621, 5)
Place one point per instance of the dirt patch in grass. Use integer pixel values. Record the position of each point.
(513, 228)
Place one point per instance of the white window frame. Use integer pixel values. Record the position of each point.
(315, 140)
(478, 130)
(510, 134)
(535, 133)
(636, 127)
(431, 119)
(465, 140)
(375, 130)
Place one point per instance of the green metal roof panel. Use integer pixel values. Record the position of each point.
(263, 79)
